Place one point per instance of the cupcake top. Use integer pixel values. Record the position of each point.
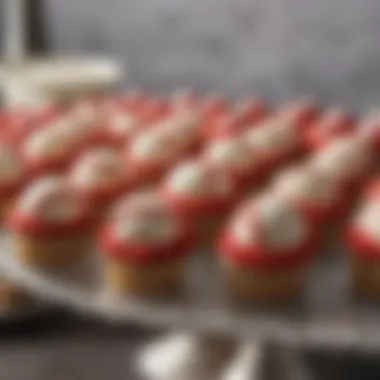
(344, 158)
(270, 222)
(123, 125)
(234, 153)
(51, 201)
(158, 145)
(11, 168)
(250, 111)
(366, 220)
(183, 125)
(273, 137)
(334, 122)
(99, 168)
(213, 105)
(144, 218)
(197, 179)
(49, 143)
(306, 184)
(301, 114)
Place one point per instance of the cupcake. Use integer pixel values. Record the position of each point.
(145, 246)
(213, 106)
(87, 121)
(349, 160)
(184, 127)
(302, 113)
(152, 153)
(334, 123)
(277, 144)
(49, 150)
(239, 158)
(313, 193)
(266, 249)
(99, 178)
(362, 239)
(12, 176)
(250, 112)
(202, 193)
(50, 226)
(122, 127)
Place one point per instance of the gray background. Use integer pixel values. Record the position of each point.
(276, 48)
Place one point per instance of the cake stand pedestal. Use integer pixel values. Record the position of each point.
(191, 357)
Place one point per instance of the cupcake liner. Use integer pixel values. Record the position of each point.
(146, 280)
(365, 277)
(52, 253)
(12, 295)
(248, 284)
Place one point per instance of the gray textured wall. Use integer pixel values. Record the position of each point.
(278, 48)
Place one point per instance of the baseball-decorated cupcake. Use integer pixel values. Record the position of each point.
(50, 226)
(202, 193)
(151, 154)
(49, 150)
(266, 250)
(145, 246)
(238, 158)
(12, 176)
(314, 193)
(99, 178)
(333, 123)
(362, 238)
(349, 160)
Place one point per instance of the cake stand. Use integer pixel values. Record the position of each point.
(326, 317)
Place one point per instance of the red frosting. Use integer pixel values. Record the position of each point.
(318, 214)
(361, 245)
(22, 223)
(372, 189)
(143, 253)
(329, 127)
(302, 114)
(213, 106)
(251, 111)
(200, 206)
(260, 257)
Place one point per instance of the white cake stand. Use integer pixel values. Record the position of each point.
(211, 324)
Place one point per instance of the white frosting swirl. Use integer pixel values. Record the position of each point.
(273, 136)
(51, 200)
(10, 166)
(195, 178)
(367, 219)
(235, 153)
(306, 184)
(98, 169)
(272, 221)
(344, 158)
(49, 143)
(157, 145)
(123, 125)
(144, 217)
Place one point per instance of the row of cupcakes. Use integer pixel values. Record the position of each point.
(148, 236)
